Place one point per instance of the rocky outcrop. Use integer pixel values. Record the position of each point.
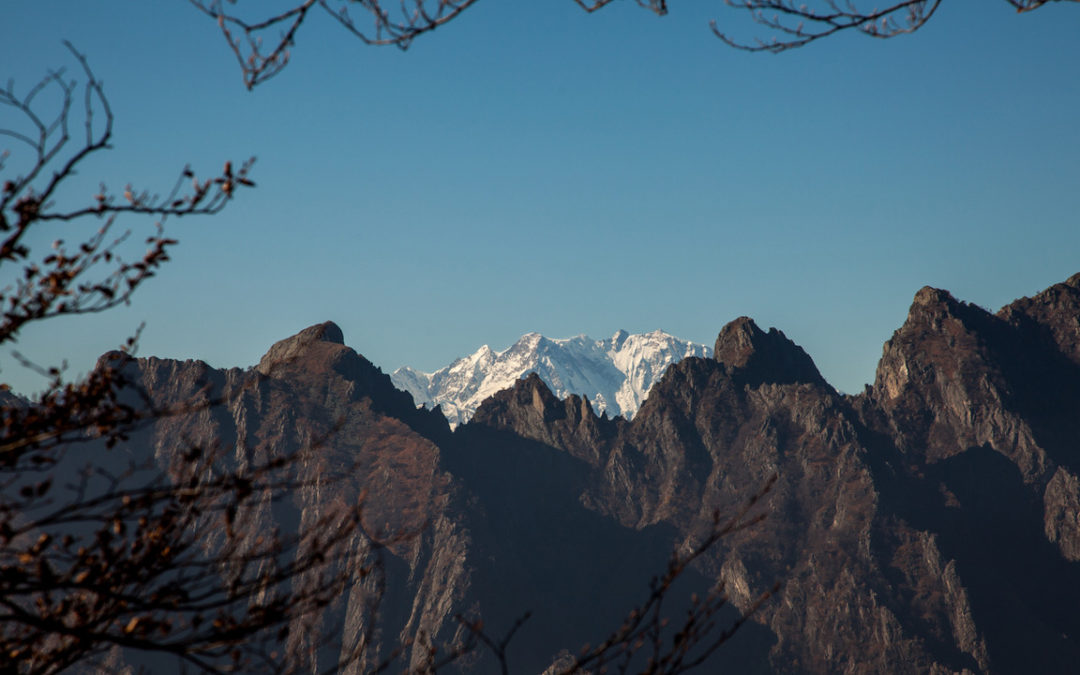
(1056, 311)
(944, 388)
(353, 437)
(754, 356)
(1061, 504)
(530, 410)
(286, 351)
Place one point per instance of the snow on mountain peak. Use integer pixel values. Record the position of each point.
(614, 374)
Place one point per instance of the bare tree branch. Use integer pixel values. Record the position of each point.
(63, 281)
(796, 26)
(248, 38)
(96, 554)
(262, 44)
(658, 7)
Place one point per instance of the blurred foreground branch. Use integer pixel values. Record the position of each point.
(100, 549)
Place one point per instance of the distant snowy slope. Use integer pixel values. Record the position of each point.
(615, 374)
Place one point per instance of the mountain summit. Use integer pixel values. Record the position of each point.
(614, 374)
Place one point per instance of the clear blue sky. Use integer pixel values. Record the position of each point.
(531, 167)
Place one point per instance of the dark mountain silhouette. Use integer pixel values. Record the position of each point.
(930, 524)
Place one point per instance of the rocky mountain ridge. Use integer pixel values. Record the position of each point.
(930, 524)
(615, 374)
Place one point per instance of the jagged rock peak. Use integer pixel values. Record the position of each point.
(1060, 301)
(735, 344)
(1054, 312)
(935, 310)
(933, 301)
(619, 338)
(928, 295)
(756, 357)
(292, 347)
(540, 395)
(528, 393)
(530, 409)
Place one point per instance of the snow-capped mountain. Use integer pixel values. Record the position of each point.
(615, 374)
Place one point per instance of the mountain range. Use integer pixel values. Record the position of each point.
(614, 374)
(929, 524)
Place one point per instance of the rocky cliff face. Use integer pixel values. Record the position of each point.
(357, 435)
(930, 524)
(906, 522)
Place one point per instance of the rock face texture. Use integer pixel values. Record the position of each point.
(930, 524)
(356, 434)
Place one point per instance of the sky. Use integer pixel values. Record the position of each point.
(531, 167)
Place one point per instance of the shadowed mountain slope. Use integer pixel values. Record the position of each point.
(930, 524)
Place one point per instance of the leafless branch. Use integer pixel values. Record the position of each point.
(658, 7)
(262, 44)
(63, 281)
(795, 25)
(117, 558)
(97, 554)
